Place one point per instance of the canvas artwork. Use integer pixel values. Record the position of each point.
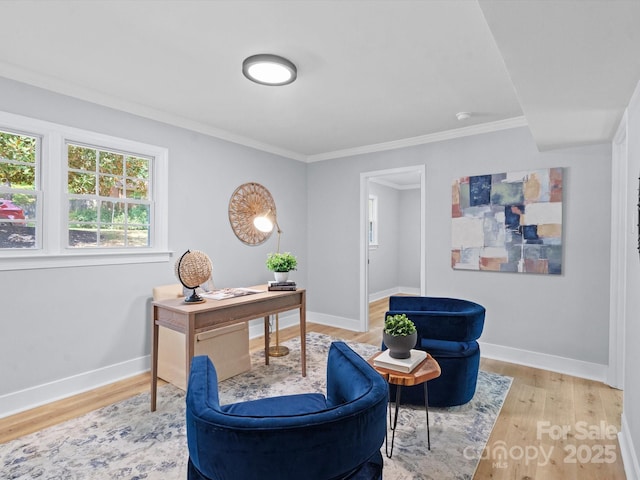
(508, 222)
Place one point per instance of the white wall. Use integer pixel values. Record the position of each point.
(66, 328)
(408, 255)
(546, 317)
(383, 264)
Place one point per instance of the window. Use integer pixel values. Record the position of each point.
(73, 197)
(109, 203)
(373, 221)
(19, 190)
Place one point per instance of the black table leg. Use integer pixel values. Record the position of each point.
(426, 408)
(395, 422)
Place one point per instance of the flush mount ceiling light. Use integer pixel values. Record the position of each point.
(463, 115)
(267, 69)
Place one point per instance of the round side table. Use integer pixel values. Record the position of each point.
(427, 370)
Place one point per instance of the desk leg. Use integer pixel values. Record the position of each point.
(154, 358)
(190, 345)
(267, 326)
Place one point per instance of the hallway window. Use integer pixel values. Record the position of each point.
(373, 220)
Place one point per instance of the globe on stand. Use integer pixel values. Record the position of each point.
(193, 269)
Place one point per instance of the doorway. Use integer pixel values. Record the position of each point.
(404, 177)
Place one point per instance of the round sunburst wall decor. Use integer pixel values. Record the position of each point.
(249, 201)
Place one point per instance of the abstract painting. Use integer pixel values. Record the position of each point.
(508, 222)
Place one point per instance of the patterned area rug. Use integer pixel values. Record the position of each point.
(127, 441)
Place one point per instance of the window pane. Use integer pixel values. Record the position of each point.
(112, 212)
(26, 202)
(82, 183)
(111, 163)
(17, 221)
(110, 186)
(20, 148)
(137, 167)
(111, 235)
(138, 237)
(17, 235)
(81, 158)
(83, 210)
(18, 155)
(139, 214)
(138, 189)
(17, 176)
(83, 235)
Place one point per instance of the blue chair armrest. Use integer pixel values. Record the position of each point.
(350, 377)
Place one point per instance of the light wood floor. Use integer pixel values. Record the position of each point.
(526, 442)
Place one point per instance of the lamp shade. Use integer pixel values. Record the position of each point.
(263, 223)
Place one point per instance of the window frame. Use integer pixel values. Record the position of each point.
(52, 250)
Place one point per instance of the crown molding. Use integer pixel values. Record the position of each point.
(70, 89)
(422, 139)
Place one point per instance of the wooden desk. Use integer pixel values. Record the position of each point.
(427, 370)
(191, 319)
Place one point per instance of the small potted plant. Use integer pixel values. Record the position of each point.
(281, 264)
(399, 334)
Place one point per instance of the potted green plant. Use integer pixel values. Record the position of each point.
(281, 264)
(400, 335)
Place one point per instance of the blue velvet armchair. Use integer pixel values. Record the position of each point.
(448, 328)
(306, 436)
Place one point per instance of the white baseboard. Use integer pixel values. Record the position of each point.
(38, 395)
(383, 293)
(628, 452)
(334, 321)
(32, 397)
(567, 366)
(393, 291)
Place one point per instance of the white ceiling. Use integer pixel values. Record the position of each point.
(372, 75)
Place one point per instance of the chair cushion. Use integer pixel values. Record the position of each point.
(284, 406)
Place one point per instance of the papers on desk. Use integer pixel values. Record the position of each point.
(229, 293)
